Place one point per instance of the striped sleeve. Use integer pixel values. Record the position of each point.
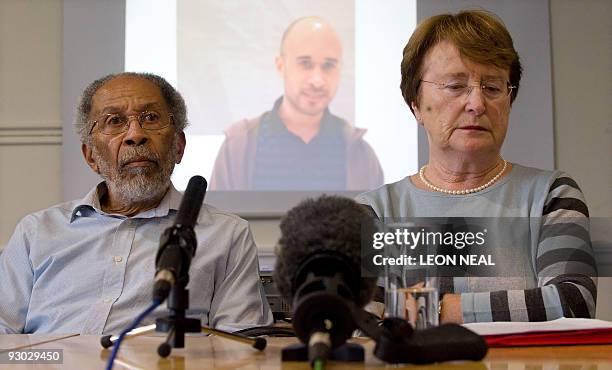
(564, 257)
(564, 263)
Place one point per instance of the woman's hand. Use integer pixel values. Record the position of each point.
(450, 309)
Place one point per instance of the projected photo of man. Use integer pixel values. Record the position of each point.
(299, 144)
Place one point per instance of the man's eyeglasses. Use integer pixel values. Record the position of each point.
(116, 123)
(491, 89)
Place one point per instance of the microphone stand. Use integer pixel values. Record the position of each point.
(108, 341)
(322, 311)
(347, 352)
(176, 324)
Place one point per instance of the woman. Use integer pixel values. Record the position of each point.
(460, 75)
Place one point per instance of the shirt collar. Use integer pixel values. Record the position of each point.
(329, 124)
(91, 203)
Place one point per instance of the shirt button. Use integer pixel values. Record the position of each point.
(117, 259)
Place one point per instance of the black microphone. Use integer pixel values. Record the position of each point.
(318, 270)
(178, 243)
(192, 202)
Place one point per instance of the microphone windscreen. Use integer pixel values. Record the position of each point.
(326, 224)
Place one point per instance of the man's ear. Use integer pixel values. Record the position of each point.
(180, 147)
(89, 158)
(280, 65)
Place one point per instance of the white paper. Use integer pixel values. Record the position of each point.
(562, 324)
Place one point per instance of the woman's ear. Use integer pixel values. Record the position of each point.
(417, 112)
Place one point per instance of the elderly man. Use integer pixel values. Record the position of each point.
(87, 266)
(299, 144)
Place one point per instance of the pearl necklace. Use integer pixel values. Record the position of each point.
(464, 191)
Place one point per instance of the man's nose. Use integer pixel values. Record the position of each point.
(135, 134)
(316, 78)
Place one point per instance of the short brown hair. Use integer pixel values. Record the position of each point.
(480, 37)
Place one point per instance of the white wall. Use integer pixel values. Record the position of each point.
(582, 73)
(582, 88)
(30, 110)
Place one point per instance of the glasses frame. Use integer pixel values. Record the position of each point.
(126, 126)
(442, 85)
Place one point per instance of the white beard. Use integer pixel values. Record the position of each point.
(137, 184)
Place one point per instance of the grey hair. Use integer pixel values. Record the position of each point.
(174, 100)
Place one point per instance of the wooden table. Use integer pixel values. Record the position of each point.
(85, 352)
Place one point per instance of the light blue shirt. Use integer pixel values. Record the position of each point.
(73, 268)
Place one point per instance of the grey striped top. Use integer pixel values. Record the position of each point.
(560, 278)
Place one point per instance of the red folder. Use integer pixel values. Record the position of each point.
(563, 331)
(551, 338)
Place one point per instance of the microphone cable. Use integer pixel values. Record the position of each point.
(135, 323)
(318, 364)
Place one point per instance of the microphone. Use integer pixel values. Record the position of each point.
(178, 243)
(192, 202)
(318, 270)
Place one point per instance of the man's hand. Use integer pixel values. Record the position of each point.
(450, 311)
